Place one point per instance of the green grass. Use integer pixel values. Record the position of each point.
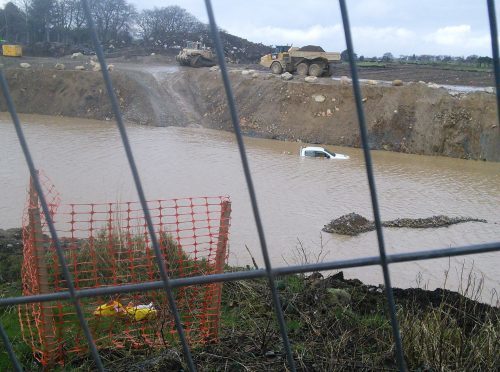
(10, 321)
(100, 260)
(372, 64)
(436, 65)
(450, 335)
(451, 66)
(444, 331)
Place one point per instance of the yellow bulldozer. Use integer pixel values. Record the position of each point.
(309, 60)
(195, 54)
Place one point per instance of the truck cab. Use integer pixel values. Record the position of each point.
(279, 49)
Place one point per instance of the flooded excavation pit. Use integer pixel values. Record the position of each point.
(296, 195)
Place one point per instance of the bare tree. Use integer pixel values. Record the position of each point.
(168, 25)
(112, 18)
(41, 18)
(24, 5)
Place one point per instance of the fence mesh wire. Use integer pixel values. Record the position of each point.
(108, 244)
(269, 272)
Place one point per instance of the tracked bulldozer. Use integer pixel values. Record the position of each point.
(195, 54)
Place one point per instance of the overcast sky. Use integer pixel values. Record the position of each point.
(450, 27)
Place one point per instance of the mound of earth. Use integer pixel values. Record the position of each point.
(353, 224)
(311, 48)
(349, 224)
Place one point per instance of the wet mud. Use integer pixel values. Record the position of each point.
(353, 224)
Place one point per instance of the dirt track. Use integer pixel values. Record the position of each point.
(413, 118)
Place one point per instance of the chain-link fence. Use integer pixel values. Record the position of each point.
(166, 283)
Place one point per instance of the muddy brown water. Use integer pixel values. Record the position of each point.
(86, 162)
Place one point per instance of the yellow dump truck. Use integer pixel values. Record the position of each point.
(309, 60)
(9, 50)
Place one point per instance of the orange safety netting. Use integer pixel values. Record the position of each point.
(108, 245)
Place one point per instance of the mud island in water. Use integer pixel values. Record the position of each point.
(353, 224)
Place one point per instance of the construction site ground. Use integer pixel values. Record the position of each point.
(418, 117)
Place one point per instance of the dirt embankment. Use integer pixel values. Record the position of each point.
(75, 94)
(413, 118)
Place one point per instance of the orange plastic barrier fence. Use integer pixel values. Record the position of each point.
(108, 245)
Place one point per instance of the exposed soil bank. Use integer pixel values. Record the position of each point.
(75, 94)
(413, 118)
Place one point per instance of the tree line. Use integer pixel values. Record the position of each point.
(484, 61)
(117, 21)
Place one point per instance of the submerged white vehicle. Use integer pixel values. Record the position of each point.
(321, 152)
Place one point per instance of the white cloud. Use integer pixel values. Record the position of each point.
(450, 35)
(374, 41)
(459, 38)
(373, 8)
(278, 35)
(378, 40)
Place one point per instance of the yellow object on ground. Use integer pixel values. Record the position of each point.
(141, 312)
(12, 50)
(111, 308)
(137, 312)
